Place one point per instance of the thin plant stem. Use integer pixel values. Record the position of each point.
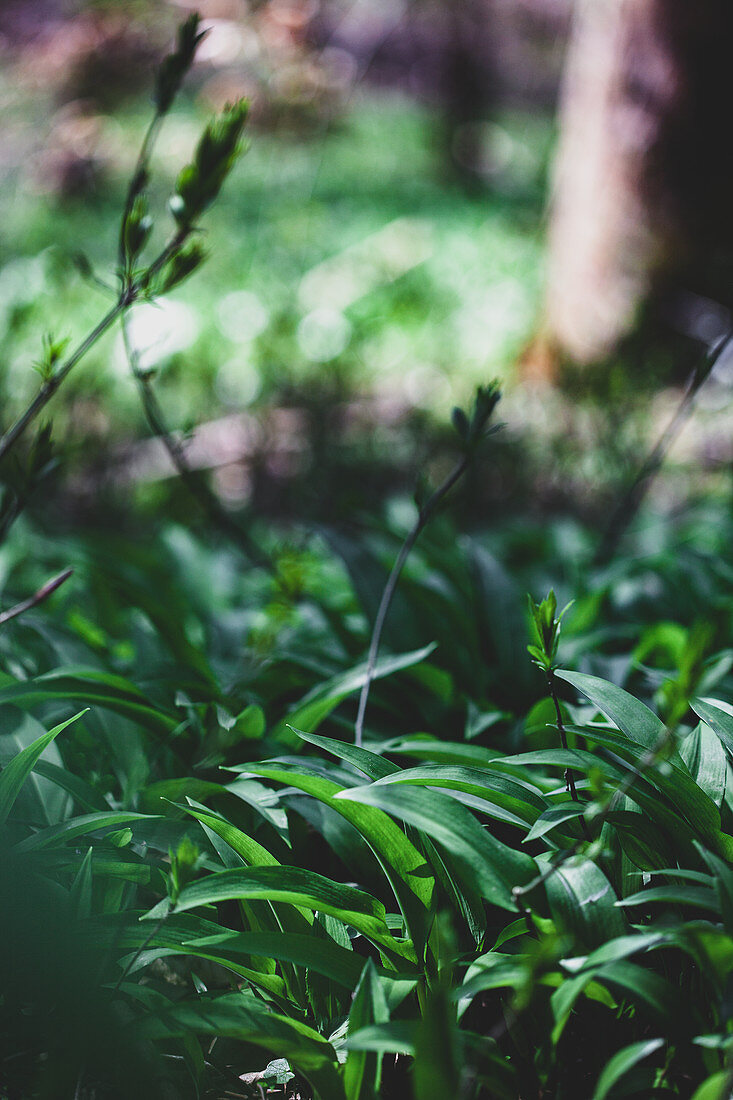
(143, 946)
(176, 452)
(129, 295)
(138, 172)
(38, 597)
(629, 504)
(569, 776)
(49, 387)
(424, 516)
(647, 761)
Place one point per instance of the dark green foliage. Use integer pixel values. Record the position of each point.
(518, 956)
(210, 889)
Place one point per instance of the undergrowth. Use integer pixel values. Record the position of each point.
(220, 879)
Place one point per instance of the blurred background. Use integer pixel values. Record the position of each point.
(437, 192)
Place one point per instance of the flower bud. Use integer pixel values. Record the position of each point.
(176, 65)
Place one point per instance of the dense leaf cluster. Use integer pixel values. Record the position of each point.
(221, 862)
(507, 885)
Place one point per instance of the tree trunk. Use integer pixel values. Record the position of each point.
(643, 168)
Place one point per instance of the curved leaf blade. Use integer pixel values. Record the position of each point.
(15, 773)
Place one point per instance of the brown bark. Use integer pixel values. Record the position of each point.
(643, 166)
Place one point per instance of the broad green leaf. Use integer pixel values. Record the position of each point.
(107, 864)
(438, 752)
(87, 796)
(78, 826)
(719, 716)
(409, 875)
(642, 986)
(324, 956)
(723, 875)
(717, 1087)
(493, 970)
(583, 903)
(251, 851)
(170, 939)
(578, 759)
(439, 1061)
(235, 848)
(362, 1071)
(706, 762)
(39, 802)
(173, 790)
(302, 888)
(714, 1042)
(462, 897)
(631, 716)
(644, 843)
(242, 1016)
(556, 815)
(372, 765)
(14, 774)
(619, 948)
(394, 1037)
(264, 801)
(81, 888)
(701, 897)
(487, 864)
(642, 726)
(281, 918)
(617, 772)
(673, 780)
(520, 799)
(623, 1061)
(88, 685)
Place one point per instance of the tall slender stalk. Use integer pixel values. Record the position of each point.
(473, 430)
(424, 516)
(546, 625)
(50, 385)
(569, 774)
(194, 484)
(127, 297)
(629, 504)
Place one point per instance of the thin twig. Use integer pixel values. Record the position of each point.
(424, 516)
(569, 776)
(129, 295)
(137, 176)
(176, 452)
(630, 502)
(49, 387)
(143, 946)
(38, 597)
